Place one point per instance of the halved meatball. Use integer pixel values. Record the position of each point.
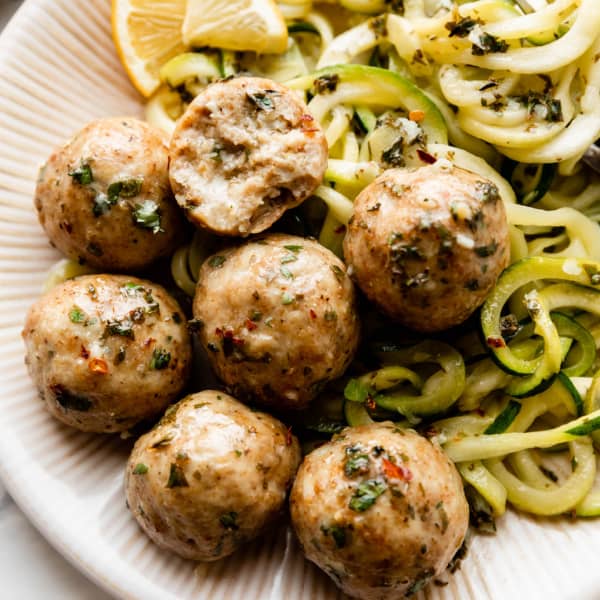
(380, 509)
(278, 319)
(106, 351)
(427, 245)
(210, 476)
(244, 152)
(104, 197)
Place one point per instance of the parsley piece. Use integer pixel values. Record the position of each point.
(461, 28)
(485, 251)
(140, 469)
(288, 258)
(261, 101)
(128, 188)
(76, 315)
(82, 174)
(366, 494)
(176, 477)
(287, 298)
(147, 215)
(330, 315)
(294, 248)
(326, 83)
(285, 272)
(337, 532)
(131, 288)
(123, 328)
(356, 464)
(160, 359)
(229, 520)
(488, 44)
(216, 261)
(394, 156)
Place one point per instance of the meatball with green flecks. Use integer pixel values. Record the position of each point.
(107, 351)
(104, 197)
(212, 475)
(380, 509)
(277, 316)
(427, 245)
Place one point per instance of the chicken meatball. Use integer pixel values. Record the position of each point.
(427, 245)
(277, 316)
(106, 351)
(380, 509)
(104, 198)
(244, 152)
(210, 476)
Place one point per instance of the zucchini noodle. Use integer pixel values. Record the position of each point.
(507, 93)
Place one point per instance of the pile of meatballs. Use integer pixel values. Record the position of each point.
(379, 508)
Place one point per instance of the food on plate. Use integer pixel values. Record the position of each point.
(277, 316)
(244, 152)
(212, 475)
(380, 509)
(104, 197)
(427, 245)
(433, 136)
(106, 351)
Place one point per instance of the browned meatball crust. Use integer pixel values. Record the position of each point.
(278, 319)
(106, 351)
(104, 197)
(380, 509)
(427, 245)
(210, 476)
(244, 152)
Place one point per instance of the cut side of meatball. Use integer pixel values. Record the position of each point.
(278, 319)
(107, 351)
(212, 475)
(427, 245)
(380, 509)
(244, 152)
(104, 198)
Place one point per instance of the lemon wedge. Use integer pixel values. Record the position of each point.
(256, 25)
(147, 33)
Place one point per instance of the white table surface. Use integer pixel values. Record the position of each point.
(30, 569)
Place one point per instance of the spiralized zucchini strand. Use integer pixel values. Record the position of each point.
(490, 446)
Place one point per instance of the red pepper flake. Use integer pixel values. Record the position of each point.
(496, 342)
(426, 157)
(84, 352)
(313, 314)
(340, 229)
(416, 115)
(149, 342)
(307, 119)
(288, 436)
(98, 365)
(250, 325)
(219, 332)
(371, 404)
(393, 471)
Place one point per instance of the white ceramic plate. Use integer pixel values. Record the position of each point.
(58, 69)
